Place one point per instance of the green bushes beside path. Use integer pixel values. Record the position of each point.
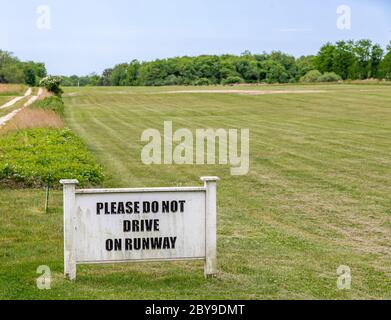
(27, 157)
(52, 103)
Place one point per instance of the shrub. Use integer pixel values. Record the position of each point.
(232, 80)
(202, 82)
(53, 103)
(52, 84)
(28, 156)
(273, 72)
(311, 76)
(172, 80)
(329, 77)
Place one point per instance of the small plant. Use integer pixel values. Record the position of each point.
(50, 103)
(329, 77)
(311, 76)
(52, 84)
(202, 82)
(232, 80)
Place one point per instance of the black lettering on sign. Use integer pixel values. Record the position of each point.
(173, 241)
(156, 226)
(141, 225)
(121, 208)
(129, 208)
(146, 207)
(99, 207)
(136, 226)
(156, 243)
(117, 244)
(127, 226)
(182, 205)
(109, 245)
(128, 244)
(146, 244)
(166, 243)
(136, 207)
(166, 206)
(155, 207)
(174, 206)
(137, 244)
(113, 208)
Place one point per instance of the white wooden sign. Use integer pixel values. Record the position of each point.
(147, 224)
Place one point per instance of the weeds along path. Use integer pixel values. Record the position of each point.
(17, 99)
(9, 116)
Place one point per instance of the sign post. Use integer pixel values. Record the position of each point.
(210, 184)
(143, 224)
(69, 228)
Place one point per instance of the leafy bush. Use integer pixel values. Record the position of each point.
(232, 80)
(27, 157)
(273, 72)
(329, 77)
(202, 82)
(172, 80)
(311, 76)
(50, 103)
(52, 84)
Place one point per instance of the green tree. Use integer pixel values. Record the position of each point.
(133, 73)
(303, 65)
(11, 69)
(324, 61)
(273, 72)
(29, 77)
(377, 54)
(385, 65)
(119, 74)
(106, 77)
(344, 59)
(247, 68)
(362, 50)
(287, 61)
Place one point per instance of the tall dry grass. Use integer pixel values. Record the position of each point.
(45, 94)
(33, 118)
(4, 88)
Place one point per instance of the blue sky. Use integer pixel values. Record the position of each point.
(91, 35)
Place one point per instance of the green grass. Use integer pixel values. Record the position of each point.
(317, 196)
(17, 105)
(28, 157)
(52, 103)
(5, 99)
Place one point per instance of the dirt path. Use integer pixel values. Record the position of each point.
(9, 116)
(15, 100)
(249, 92)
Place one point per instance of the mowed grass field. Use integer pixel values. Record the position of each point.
(317, 196)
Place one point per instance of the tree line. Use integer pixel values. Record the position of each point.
(343, 60)
(12, 70)
(346, 60)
